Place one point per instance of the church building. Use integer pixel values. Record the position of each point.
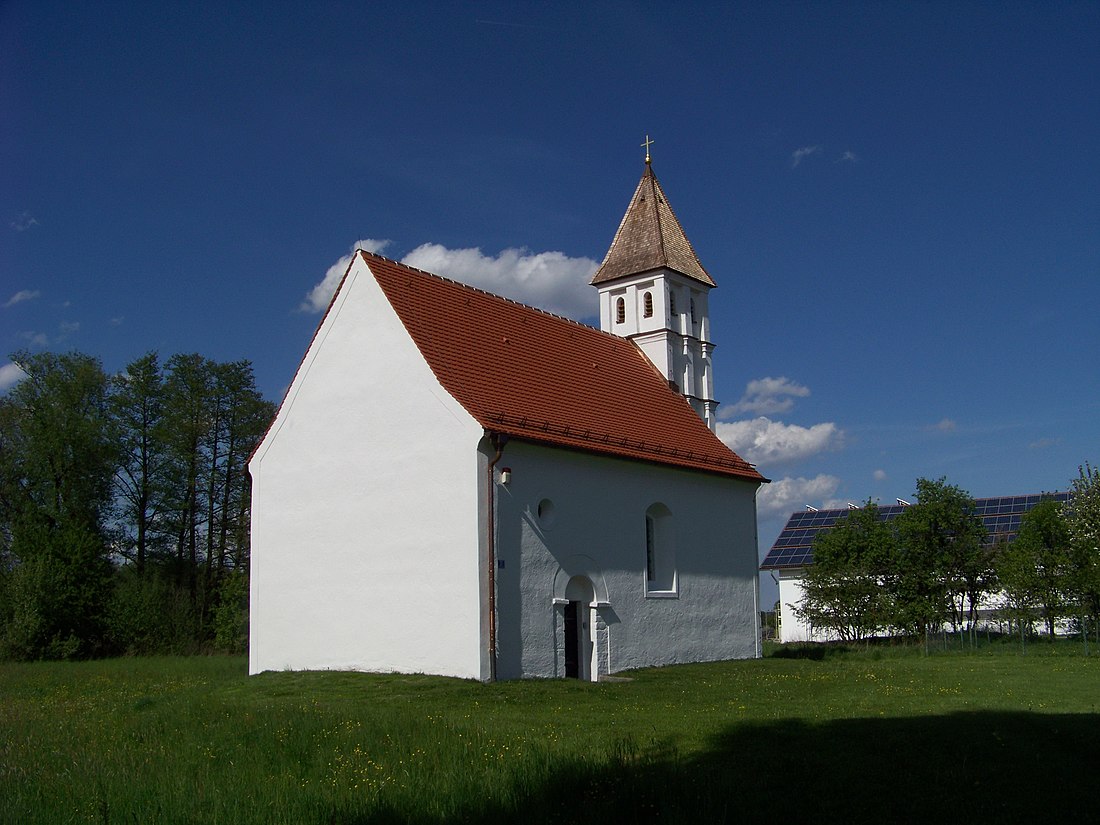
(459, 484)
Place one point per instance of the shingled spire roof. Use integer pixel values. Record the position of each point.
(650, 237)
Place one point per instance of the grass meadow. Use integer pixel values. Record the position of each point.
(880, 735)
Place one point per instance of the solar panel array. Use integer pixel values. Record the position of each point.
(795, 545)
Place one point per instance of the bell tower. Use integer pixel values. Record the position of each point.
(653, 290)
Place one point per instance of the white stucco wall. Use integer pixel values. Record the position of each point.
(794, 629)
(598, 530)
(791, 627)
(365, 529)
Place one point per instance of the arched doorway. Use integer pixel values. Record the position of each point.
(577, 627)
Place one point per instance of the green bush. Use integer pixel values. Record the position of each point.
(54, 599)
(150, 615)
(231, 614)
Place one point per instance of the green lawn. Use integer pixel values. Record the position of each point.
(880, 736)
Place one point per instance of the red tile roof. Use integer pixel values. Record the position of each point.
(543, 378)
(650, 237)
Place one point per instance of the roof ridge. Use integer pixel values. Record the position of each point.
(1027, 495)
(622, 223)
(662, 200)
(976, 499)
(480, 290)
(658, 199)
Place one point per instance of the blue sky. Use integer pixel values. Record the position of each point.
(900, 202)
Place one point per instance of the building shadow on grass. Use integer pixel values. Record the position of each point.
(964, 767)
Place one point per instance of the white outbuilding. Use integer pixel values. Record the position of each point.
(463, 485)
(793, 553)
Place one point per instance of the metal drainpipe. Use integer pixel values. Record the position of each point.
(498, 440)
(756, 615)
(756, 590)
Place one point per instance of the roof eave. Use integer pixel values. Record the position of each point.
(749, 473)
(598, 280)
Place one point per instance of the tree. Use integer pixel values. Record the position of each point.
(187, 420)
(137, 408)
(1015, 573)
(1035, 567)
(845, 589)
(942, 568)
(124, 505)
(1082, 515)
(57, 458)
(239, 417)
(213, 417)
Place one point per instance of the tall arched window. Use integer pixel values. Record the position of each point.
(660, 552)
(647, 305)
(620, 311)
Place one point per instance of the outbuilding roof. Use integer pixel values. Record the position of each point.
(546, 379)
(794, 548)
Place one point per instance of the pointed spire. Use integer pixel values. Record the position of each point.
(650, 237)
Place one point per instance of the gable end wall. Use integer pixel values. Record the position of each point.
(365, 507)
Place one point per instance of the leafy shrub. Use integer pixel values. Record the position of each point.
(231, 614)
(148, 614)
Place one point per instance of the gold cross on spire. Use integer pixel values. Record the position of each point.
(647, 144)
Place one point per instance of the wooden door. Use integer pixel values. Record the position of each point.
(573, 640)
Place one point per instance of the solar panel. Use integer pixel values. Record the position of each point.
(794, 546)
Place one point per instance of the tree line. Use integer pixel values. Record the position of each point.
(933, 567)
(124, 505)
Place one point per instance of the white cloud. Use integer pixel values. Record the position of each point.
(763, 441)
(946, 425)
(798, 155)
(767, 396)
(548, 280)
(879, 475)
(848, 157)
(317, 298)
(36, 339)
(24, 222)
(1044, 443)
(21, 296)
(40, 340)
(10, 375)
(789, 494)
